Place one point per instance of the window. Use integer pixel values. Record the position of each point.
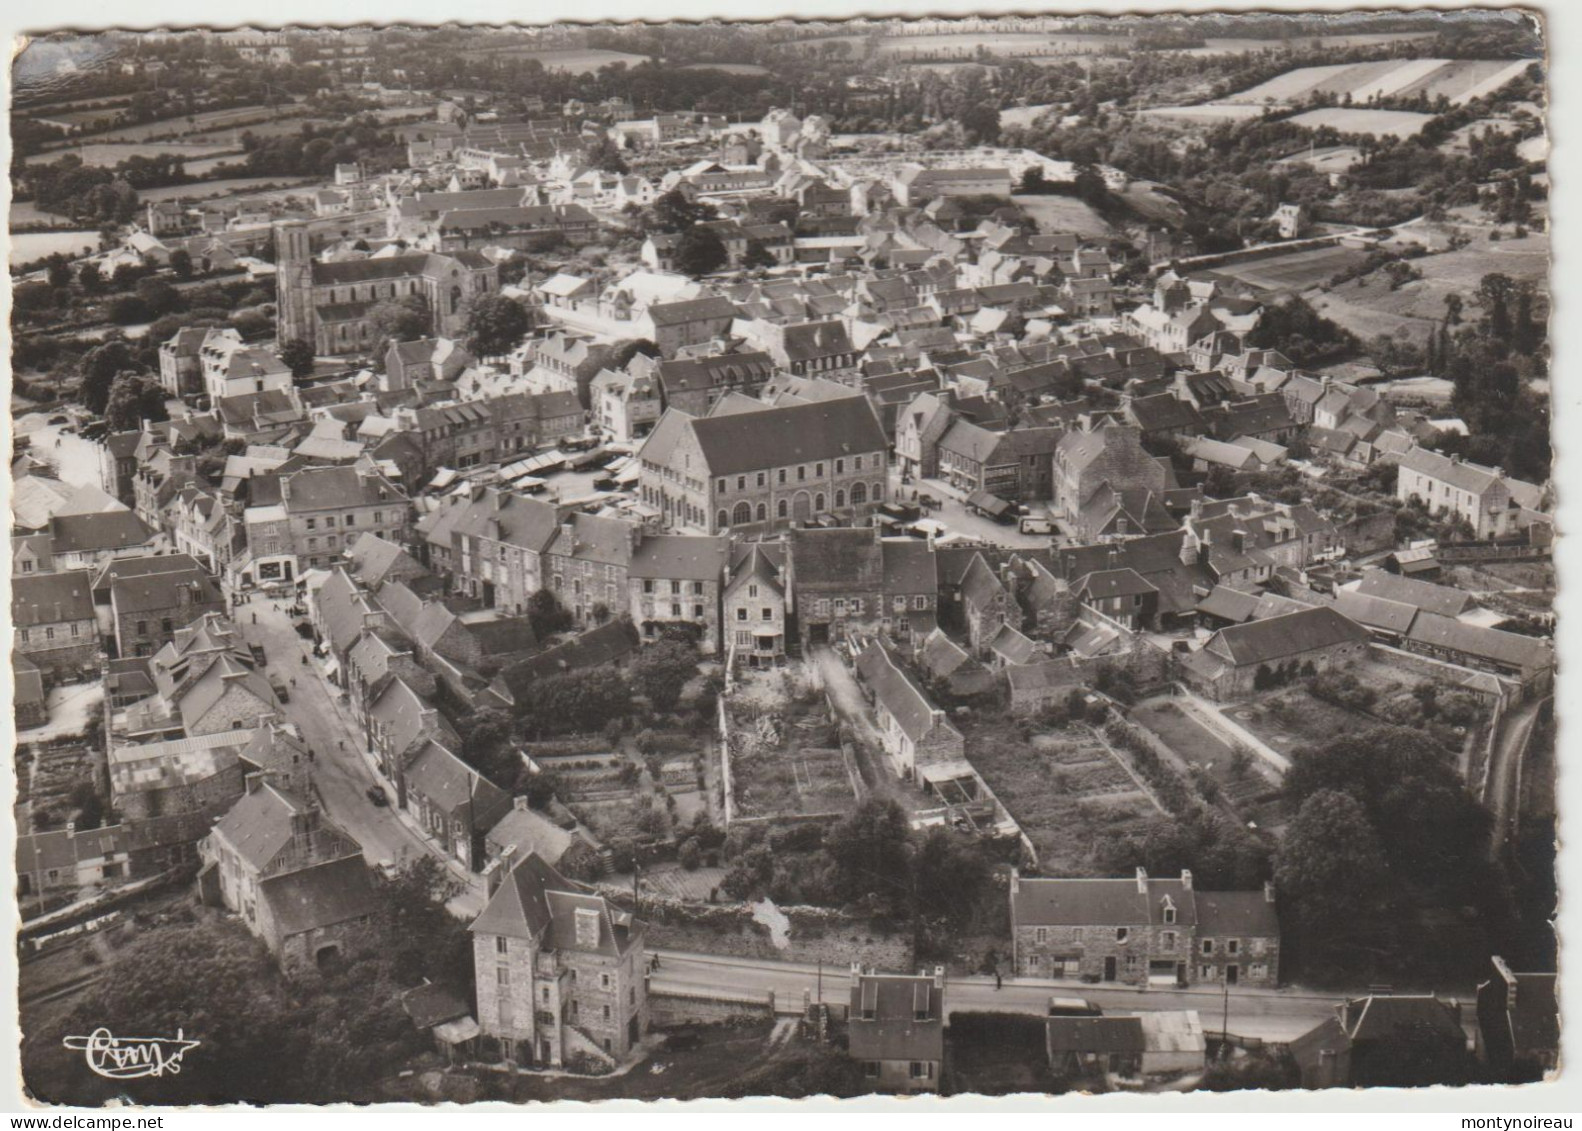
(840, 467)
(675, 608)
(648, 585)
(329, 522)
(1041, 934)
(546, 994)
(840, 499)
(697, 588)
(801, 474)
(742, 514)
(1076, 934)
(870, 1069)
(313, 524)
(818, 471)
(502, 945)
(1121, 934)
(780, 476)
(741, 612)
(697, 612)
(1259, 946)
(859, 494)
(857, 463)
(606, 1013)
(763, 512)
(768, 614)
(724, 519)
(818, 501)
(922, 1070)
(780, 509)
(1232, 946)
(49, 634)
(604, 981)
(762, 479)
(502, 977)
(351, 520)
(1168, 940)
(920, 602)
(1205, 973)
(1257, 970)
(379, 517)
(721, 487)
(1208, 946)
(741, 482)
(24, 635)
(1169, 913)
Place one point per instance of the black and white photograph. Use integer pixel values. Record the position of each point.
(917, 556)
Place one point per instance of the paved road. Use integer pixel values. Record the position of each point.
(1505, 773)
(957, 519)
(1278, 1015)
(341, 772)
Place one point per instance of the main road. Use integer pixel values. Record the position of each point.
(342, 773)
(1273, 1015)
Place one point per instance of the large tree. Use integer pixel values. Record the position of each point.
(496, 325)
(699, 252)
(662, 670)
(134, 398)
(403, 319)
(297, 354)
(1330, 864)
(868, 849)
(99, 368)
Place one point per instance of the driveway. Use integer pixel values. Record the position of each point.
(840, 682)
(342, 773)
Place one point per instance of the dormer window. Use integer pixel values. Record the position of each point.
(1169, 911)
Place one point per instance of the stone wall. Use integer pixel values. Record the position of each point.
(1368, 534)
(668, 1007)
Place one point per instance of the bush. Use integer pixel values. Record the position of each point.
(1343, 690)
(690, 854)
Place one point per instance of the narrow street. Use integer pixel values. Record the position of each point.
(1277, 1015)
(1505, 772)
(342, 774)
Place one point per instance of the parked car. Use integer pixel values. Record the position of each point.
(1073, 1007)
(929, 502)
(259, 656)
(58, 419)
(282, 692)
(1032, 524)
(377, 794)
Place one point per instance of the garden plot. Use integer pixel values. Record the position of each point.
(787, 762)
(1063, 788)
(1291, 719)
(1298, 271)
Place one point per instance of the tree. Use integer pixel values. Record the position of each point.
(583, 700)
(90, 278)
(981, 124)
(605, 156)
(99, 368)
(674, 212)
(297, 354)
(868, 849)
(948, 870)
(486, 747)
(757, 255)
(699, 252)
(496, 325)
(59, 271)
(134, 398)
(159, 296)
(662, 669)
(1330, 864)
(403, 319)
(546, 614)
(181, 263)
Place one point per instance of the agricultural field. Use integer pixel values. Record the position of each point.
(1376, 123)
(1022, 115)
(1207, 113)
(729, 68)
(1296, 272)
(1214, 46)
(1063, 214)
(1329, 160)
(1291, 719)
(196, 124)
(1459, 80)
(575, 61)
(204, 190)
(1012, 45)
(1063, 788)
(1368, 307)
(106, 154)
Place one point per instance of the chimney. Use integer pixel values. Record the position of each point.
(1188, 549)
(519, 803)
(1197, 508)
(1239, 539)
(1326, 381)
(1268, 891)
(568, 531)
(1186, 880)
(937, 717)
(71, 829)
(285, 489)
(1505, 975)
(939, 977)
(1142, 880)
(1016, 880)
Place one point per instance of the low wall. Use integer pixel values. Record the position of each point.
(817, 934)
(672, 1005)
(1368, 534)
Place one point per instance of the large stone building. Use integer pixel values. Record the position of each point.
(329, 304)
(1144, 931)
(559, 970)
(765, 468)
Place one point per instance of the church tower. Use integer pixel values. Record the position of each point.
(294, 316)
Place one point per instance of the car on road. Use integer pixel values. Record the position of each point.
(1035, 524)
(928, 502)
(377, 794)
(282, 692)
(58, 419)
(259, 656)
(1073, 1007)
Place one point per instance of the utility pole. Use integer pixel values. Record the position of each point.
(1224, 1021)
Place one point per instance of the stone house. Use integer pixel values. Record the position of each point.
(147, 603)
(914, 731)
(896, 1029)
(297, 880)
(1108, 454)
(986, 604)
(766, 467)
(676, 579)
(587, 565)
(694, 384)
(626, 406)
(754, 603)
(1143, 931)
(836, 578)
(90, 541)
(55, 628)
(559, 971)
(1448, 484)
(452, 802)
(1242, 658)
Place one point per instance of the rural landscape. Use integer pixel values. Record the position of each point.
(929, 557)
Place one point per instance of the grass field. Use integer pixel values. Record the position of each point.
(1011, 45)
(206, 190)
(1063, 214)
(1021, 115)
(1208, 112)
(1368, 307)
(1459, 80)
(729, 68)
(109, 153)
(575, 61)
(1244, 46)
(1298, 271)
(1377, 123)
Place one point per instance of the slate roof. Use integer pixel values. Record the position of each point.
(680, 557)
(894, 1033)
(1440, 599)
(840, 557)
(90, 533)
(258, 826)
(1236, 914)
(908, 566)
(691, 310)
(1277, 638)
(787, 435)
(534, 901)
(50, 598)
(1099, 902)
(321, 895)
(900, 695)
(1511, 648)
(1094, 1035)
(809, 340)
